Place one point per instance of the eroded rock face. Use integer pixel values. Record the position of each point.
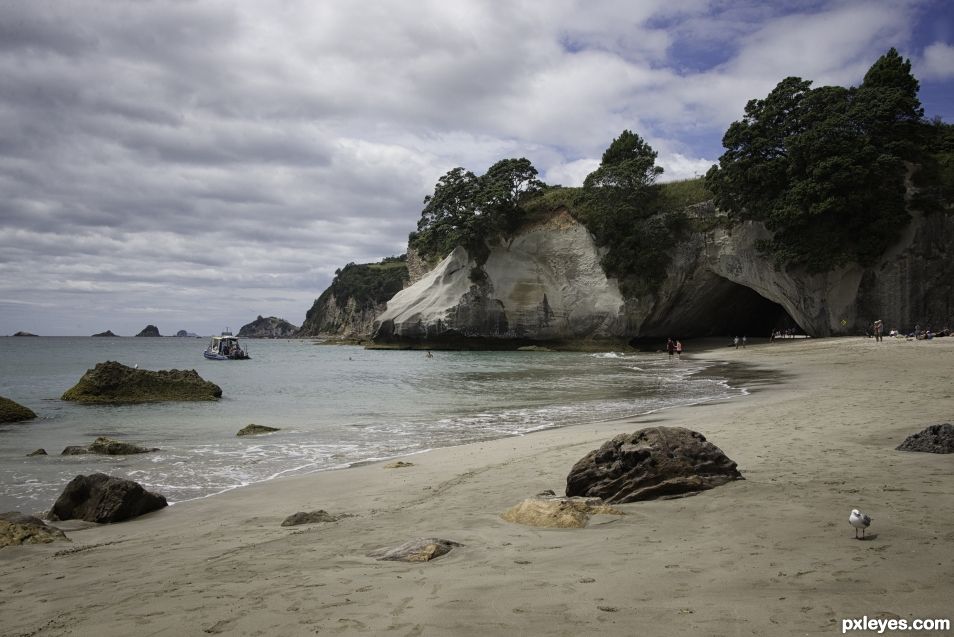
(17, 528)
(115, 383)
(933, 439)
(11, 411)
(556, 512)
(651, 463)
(419, 550)
(103, 499)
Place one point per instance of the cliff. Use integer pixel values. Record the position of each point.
(546, 285)
(348, 308)
(270, 327)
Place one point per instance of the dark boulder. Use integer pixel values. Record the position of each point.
(149, 330)
(39, 452)
(75, 450)
(419, 550)
(933, 439)
(107, 447)
(17, 528)
(311, 517)
(115, 383)
(255, 430)
(11, 411)
(101, 498)
(651, 463)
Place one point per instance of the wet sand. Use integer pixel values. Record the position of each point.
(772, 554)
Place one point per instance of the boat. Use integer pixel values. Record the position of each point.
(225, 348)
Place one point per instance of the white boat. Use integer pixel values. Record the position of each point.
(225, 348)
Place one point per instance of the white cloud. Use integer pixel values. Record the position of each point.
(937, 62)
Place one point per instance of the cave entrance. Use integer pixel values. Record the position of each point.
(719, 307)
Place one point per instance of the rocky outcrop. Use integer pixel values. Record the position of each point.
(149, 330)
(651, 463)
(347, 310)
(933, 439)
(107, 333)
(545, 284)
(12, 411)
(107, 447)
(255, 430)
(24, 334)
(419, 550)
(557, 513)
(270, 327)
(115, 383)
(103, 499)
(17, 528)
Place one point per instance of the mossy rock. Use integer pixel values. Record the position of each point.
(115, 383)
(11, 411)
(255, 430)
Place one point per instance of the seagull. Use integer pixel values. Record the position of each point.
(859, 520)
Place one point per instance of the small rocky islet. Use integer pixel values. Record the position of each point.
(115, 383)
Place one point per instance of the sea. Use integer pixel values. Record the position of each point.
(335, 406)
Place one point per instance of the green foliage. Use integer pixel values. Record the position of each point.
(367, 283)
(824, 168)
(466, 210)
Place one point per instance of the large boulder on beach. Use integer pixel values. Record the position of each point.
(107, 447)
(554, 512)
(11, 411)
(651, 463)
(933, 439)
(115, 383)
(422, 549)
(17, 528)
(101, 498)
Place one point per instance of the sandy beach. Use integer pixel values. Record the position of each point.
(771, 555)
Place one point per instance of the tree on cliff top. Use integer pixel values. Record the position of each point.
(823, 168)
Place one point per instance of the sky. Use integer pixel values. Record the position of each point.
(193, 165)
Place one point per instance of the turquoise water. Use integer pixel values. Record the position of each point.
(335, 405)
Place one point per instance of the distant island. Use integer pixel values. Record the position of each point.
(24, 334)
(149, 330)
(106, 333)
(185, 334)
(271, 327)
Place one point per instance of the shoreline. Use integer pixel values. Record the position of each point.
(772, 553)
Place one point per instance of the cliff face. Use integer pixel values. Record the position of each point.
(270, 327)
(547, 285)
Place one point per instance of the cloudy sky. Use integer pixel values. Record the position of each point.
(194, 164)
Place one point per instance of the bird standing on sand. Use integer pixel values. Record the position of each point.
(859, 520)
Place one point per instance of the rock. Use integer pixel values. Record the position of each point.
(114, 383)
(651, 463)
(933, 439)
(38, 452)
(311, 517)
(400, 464)
(557, 513)
(270, 327)
(17, 528)
(24, 334)
(11, 411)
(255, 430)
(149, 330)
(419, 550)
(534, 348)
(107, 333)
(107, 447)
(103, 499)
(186, 334)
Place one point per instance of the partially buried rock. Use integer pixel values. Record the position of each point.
(255, 430)
(651, 463)
(310, 517)
(101, 498)
(419, 550)
(400, 464)
(11, 411)
(39, 452)
(933, 439)
(115, 383)
(17, 528)
(107, 447)
(557, 513)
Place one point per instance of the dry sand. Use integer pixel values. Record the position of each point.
(770, 555)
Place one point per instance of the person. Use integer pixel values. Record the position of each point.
(735, 341)
(429, 355)
(670, 347)
(878, 330)
(743, 342)
(678, 349)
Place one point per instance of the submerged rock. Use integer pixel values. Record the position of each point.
(39, 452)
(651, 463)
(255, 430)
(557, 513)
(103, 499)
(149, 330)
(107, 447)
(419, 550)
(115, 383)
(17, 528)
(933, 439)
(11, 411)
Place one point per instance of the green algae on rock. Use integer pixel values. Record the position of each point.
(115, 383)
(11, 411)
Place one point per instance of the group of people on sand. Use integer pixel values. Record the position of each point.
(674, 347)
(876, 329)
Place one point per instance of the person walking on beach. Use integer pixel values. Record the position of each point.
(670, 347)
(735, 341)
(678, 349)
(878, 330)
(743, 342)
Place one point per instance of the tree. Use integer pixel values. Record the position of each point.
(504, 186)
(449, 217)
(628, 166)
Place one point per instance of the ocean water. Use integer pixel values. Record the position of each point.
(335, 405)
